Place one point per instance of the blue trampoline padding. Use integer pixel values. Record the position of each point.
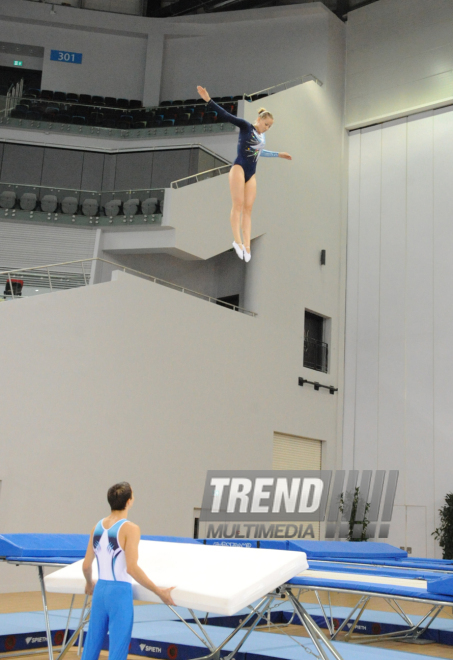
(418, 562)
(170, 539)
(347, 651)
(442, 586)
(383, 571)
(159, 635)
(44, 560)
(388, 589)
(345, 549)
(43, 545)
(248, 543)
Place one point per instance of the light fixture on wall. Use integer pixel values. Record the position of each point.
(52, 9)
(323, 258)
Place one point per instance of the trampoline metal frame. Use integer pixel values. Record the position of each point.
(322, 643)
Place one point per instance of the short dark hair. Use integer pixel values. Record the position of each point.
(118, 496)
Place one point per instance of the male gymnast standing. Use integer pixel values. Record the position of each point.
(114, 543)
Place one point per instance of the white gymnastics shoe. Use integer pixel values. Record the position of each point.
(247, 255)
(239, 250)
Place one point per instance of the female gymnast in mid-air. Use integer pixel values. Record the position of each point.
(242, 174)
(114, 543)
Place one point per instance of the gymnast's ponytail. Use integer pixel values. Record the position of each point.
(263, 113)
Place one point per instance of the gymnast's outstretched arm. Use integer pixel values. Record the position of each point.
(131, 552)
(223, 114)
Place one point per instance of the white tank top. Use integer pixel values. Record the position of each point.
(109, 554)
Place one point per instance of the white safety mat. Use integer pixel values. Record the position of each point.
(215, 579)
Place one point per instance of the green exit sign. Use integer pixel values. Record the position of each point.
(18, 63)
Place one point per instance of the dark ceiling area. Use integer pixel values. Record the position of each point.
(168, 8)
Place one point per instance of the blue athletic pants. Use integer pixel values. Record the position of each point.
(112, 610)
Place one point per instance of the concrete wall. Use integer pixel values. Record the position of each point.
(149, 59)
(399, 59)
(89, 170)
(398, 388)
(137, 381)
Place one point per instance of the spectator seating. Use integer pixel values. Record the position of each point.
(88, 206)
(109, 112)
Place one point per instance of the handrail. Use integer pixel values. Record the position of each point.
(174, 184)
(296, 81)
(156, 280)
(80, 190)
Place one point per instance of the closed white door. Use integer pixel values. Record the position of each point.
(296, 453)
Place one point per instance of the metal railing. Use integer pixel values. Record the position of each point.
(14, 280)
(282, 86)
(315, 354)
(201, 176)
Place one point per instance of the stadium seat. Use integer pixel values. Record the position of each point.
(135, 103)
(72, 98)
(110, 102)
(19, 112)
(149, 206)
(109, 123)
(51, 112)
(49, 203)
(131, 206)
(78, 119)
(28, 202)
(168, 123)
(46, 94)
(96, 118)
(32, 93)
(122, 103)
(59, 96)
(7, 199)
(98, 100)
(69, 205)
(164, 103)
(139, 124)
(112, 208)
(32, 115)
(63, 118)
(85, 98)
(90, 206)
(125, 122)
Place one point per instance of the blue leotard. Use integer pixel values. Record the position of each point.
(250, 143)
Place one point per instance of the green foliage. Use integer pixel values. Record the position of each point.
(444, 533)
(354, 501)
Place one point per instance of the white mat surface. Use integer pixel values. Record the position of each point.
(215, 579)
(333, 576)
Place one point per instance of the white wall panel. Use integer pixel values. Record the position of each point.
(402, 318)
(419, 309)
(443, 304)
(368, 301)
(352, 283)
(391, 402)
(25, 246)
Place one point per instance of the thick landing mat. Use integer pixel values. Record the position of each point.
(215, 579)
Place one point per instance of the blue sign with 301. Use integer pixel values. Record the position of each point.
(65, 56)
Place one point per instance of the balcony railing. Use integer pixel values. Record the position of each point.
(72, 274)
(140, 124)
(316, 354)
(201, 176)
